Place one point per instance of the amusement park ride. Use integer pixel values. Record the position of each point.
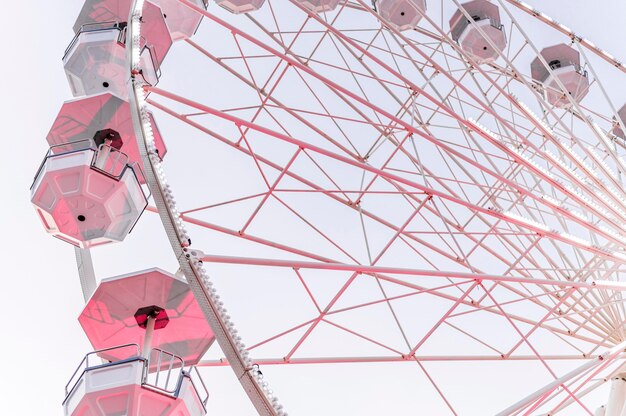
(149, 329)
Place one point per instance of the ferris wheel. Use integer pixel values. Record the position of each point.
(420, 198)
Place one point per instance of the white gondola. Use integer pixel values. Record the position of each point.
(563, 69)
(95, 61)
(482, 38)
(181, 20)
(240, 6)
(319, 6)
(402, 14)
(88, 197)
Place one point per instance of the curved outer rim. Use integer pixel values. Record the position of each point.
(248, 374)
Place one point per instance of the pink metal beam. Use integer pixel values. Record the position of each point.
(443, 318)
(304, 181)
(467, 123)
(354, 275)
(546, 390)
(298, 117)
(399, 282)
(307, 183)
(357, 268)
(408, 126)
(222, 362)
(550, 313)
(390, 176)
(270, 190)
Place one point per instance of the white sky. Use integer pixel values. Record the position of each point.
(40, 299)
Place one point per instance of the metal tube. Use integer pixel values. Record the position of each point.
(102, 155)
(591, 285)
(85, 272)
(147, 339)
(617, 394)
(542, 393)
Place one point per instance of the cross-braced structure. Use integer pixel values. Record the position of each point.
(434, 184)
